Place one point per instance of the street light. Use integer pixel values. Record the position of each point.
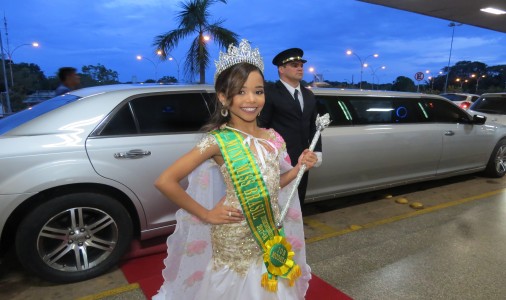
(452, 25)
(311, 70)
(477, 80)
(363, 63)
(373, 71)
(431, 81)
(9, 56)
(177, 63)
(166, 55)
(140, 57)
(461, 83)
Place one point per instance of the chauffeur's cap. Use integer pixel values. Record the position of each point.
(292, 54)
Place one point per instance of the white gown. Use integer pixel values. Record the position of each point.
(224, 262)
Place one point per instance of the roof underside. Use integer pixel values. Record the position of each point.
(460, 11)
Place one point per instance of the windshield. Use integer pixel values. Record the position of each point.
(19, 118)
(454, 97)
(490, 105)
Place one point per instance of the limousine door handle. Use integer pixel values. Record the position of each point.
(132, 154)
(449, 133)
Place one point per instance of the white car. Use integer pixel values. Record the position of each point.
(463, 100)
(491, 105)
(77, 171)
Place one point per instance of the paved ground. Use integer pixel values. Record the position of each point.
(369, 246)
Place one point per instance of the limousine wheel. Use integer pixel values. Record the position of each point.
(74, 237)
(496, 166)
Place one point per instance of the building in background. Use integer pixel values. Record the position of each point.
(38, 97)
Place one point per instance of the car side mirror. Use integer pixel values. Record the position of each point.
(479, 119)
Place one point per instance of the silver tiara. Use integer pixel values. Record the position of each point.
(236, 55)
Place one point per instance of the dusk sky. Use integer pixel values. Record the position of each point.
(114, 32)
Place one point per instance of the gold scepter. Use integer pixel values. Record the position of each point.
(321, 123)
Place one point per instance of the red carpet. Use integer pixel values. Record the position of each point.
(147, 272)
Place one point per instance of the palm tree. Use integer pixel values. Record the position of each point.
(194, 19)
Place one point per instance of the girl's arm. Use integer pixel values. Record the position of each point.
(307, 157)
(168, 184)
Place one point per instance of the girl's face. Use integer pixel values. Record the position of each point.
(246, 105)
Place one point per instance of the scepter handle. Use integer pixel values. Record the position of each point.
(321, 124)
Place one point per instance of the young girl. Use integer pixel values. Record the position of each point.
(226, 244)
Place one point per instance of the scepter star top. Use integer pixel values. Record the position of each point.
(236, 55)
(322, 122)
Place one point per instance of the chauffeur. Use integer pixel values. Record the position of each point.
(290, 109)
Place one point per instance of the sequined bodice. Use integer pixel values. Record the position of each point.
(233, 244)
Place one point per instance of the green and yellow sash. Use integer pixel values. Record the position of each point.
(254, 198)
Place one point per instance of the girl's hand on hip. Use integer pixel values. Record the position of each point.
(223, 214)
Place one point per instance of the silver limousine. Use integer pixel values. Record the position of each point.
(77, 171)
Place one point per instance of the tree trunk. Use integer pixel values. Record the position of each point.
(202, 66)
(202, 73)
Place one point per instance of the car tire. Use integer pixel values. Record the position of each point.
(496, 167)
(74, 237)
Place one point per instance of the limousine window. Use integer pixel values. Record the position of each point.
(336, 109)
(159, 114)
(444, 112)
(376, 110)
(121, 124)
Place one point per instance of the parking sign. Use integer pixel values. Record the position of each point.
(419, 76)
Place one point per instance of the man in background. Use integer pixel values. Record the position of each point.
(291, 110)
(69, 80)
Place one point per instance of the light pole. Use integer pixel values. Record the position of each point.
(452, 25)
(477, 80)
(461, 83)
(9, 55)
(177, 63)
(7, 97)
(373, 71)
(428, 75)
(363, 63)
(431, 82)
(140, 57)
(311, 70)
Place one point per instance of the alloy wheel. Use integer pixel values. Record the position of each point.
(500, 160)
(77, 239)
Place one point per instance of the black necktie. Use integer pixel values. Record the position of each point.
(296, 97)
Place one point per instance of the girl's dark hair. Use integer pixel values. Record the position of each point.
(229, 83)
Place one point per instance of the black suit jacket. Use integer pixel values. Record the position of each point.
(282, 113)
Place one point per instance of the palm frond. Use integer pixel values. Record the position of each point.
(193, 18)
(168, 41)
(194, 14)
(222, 36)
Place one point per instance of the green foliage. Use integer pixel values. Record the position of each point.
(404, 84)
(99, 75)
(168, 79)
(29, 78)
(194, 22)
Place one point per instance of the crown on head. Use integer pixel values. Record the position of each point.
(236, 55)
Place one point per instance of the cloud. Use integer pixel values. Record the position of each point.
(136, 4)
(113, 32)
